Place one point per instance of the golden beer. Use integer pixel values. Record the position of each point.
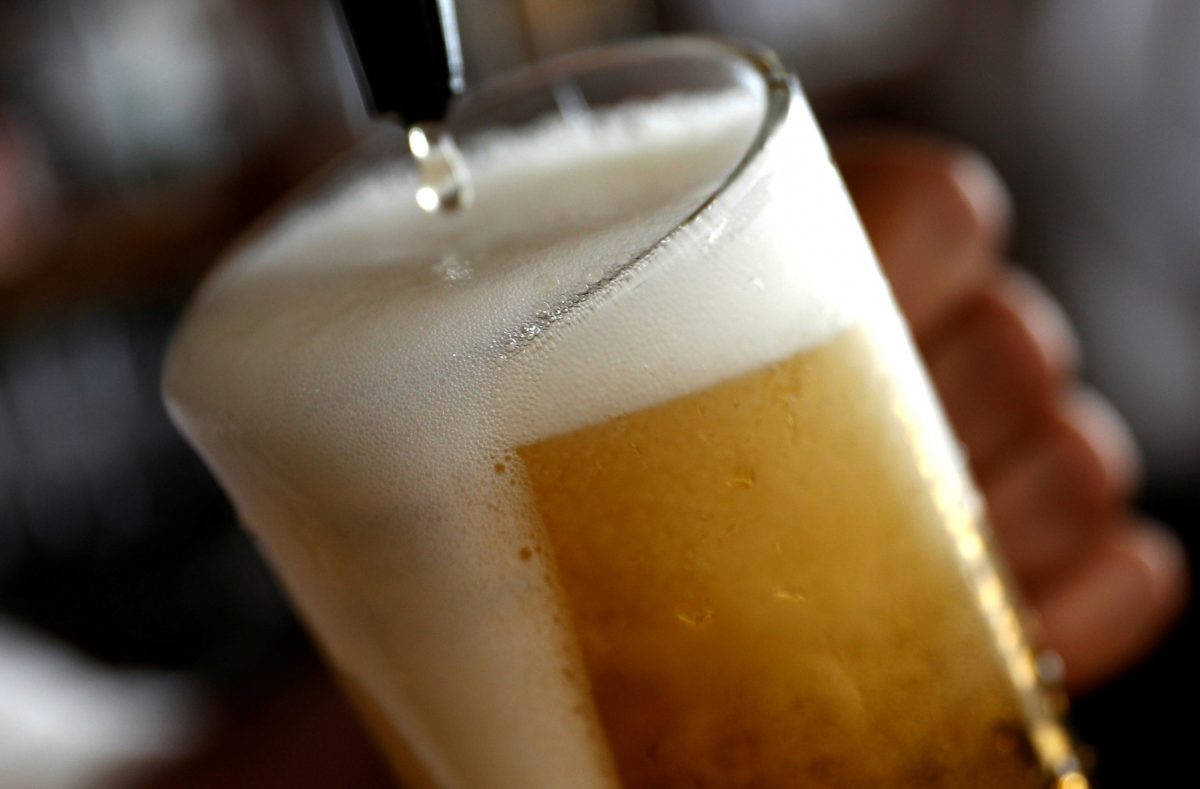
(768, 587)
(625, 475)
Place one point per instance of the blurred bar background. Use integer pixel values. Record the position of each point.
(139, 137)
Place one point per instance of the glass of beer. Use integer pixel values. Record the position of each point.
(623, 471)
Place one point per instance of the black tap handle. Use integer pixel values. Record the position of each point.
(409, 59)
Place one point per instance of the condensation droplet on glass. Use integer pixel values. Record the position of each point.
(1050, 668)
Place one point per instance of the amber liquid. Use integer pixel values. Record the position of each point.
(781, 581)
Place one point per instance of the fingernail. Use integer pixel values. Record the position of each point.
(984, 190)
(1117, 606)
(1164, 563)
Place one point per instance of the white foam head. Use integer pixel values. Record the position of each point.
(536, 273)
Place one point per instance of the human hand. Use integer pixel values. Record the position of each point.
(1056, 464)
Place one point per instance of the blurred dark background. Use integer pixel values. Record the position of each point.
(138, 137)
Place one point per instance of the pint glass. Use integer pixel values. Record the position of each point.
(626, 472)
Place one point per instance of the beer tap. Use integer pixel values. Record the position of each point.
(410, 68)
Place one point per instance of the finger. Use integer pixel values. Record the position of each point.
(1116, 605)
(935, 213)
(1000, 363)
(1052, 498)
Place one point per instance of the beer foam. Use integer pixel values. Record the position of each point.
(774, 264)
(567, 261)
(356, 374)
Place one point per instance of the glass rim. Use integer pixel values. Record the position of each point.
(779, 86)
